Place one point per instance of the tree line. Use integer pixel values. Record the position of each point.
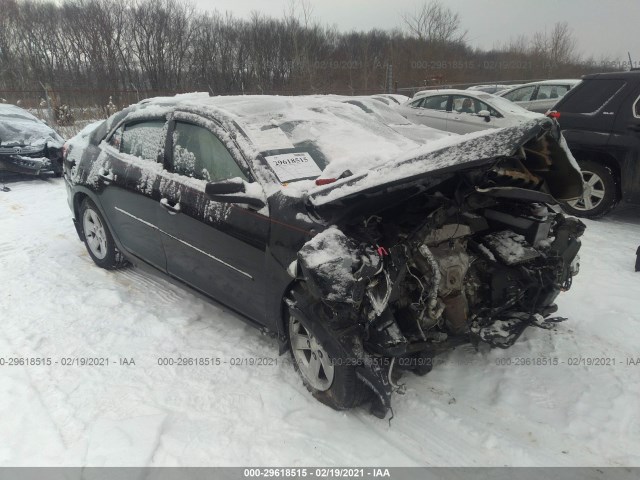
(89, 51)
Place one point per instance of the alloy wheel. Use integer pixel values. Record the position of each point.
(95, 233)
(594, 191)
(312, 359)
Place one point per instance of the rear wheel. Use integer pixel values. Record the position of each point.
(317, 354)
(600, 192)
(97, 237)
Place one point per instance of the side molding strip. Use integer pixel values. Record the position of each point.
(151, 225)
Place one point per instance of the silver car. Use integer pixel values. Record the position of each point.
(463, 111)
(539, 96)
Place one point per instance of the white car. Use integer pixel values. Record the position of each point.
(463, 111)
(539, 96)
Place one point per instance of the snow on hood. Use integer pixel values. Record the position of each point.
(19, 127)
(460, 152)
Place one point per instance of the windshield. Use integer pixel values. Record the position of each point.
(317, 137)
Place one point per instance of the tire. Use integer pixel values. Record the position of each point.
(97, 238)
(601, 192)
(336, 384)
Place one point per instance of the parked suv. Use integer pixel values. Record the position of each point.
(600, 119)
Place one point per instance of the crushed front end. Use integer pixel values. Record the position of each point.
(473, 255)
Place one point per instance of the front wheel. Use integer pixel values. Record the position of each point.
(326, 370)
(600, 192)
(97, 237)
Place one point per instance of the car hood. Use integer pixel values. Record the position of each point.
(21, 131)
(539, 138)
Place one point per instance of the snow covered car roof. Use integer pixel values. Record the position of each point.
(19, 127)
(338, 136)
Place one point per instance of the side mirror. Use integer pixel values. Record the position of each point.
(233, 190)
(486, 114)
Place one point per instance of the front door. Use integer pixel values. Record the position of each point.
(626, 137)
(465, 118)
(217, 248)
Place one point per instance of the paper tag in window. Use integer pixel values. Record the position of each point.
(293, 166)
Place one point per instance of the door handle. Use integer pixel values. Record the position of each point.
(106, 177)
(171, 209)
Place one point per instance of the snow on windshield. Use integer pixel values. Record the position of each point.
(337, 136)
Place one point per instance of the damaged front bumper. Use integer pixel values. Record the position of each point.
(475, 255)
(26, 165)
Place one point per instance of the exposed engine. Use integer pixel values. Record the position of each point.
(480, 263)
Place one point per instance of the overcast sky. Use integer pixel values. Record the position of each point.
(602, 28)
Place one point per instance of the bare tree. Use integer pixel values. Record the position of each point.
(557, 47)
(434, 22)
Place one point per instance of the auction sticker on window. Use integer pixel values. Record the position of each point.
(293, 166)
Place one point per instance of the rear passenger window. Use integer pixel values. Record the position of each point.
(551, 92)
(436, 103)
(200, 154)
(520, 94)
(591, 95)
(144, 139)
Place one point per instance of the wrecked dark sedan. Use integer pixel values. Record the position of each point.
(27, 145)
(361, 251)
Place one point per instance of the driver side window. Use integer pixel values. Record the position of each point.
(436, 103)
(473, 106)
(198, 153)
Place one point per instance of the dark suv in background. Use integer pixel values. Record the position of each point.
(600, 119)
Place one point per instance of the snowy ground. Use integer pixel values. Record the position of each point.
(469, 411)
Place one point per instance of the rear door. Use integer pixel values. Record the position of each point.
(522, 96)
(546, 97)
(135, 153)
(430, 111)
(217, 248)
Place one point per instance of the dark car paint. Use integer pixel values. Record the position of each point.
(255, 249)
(610, 133)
